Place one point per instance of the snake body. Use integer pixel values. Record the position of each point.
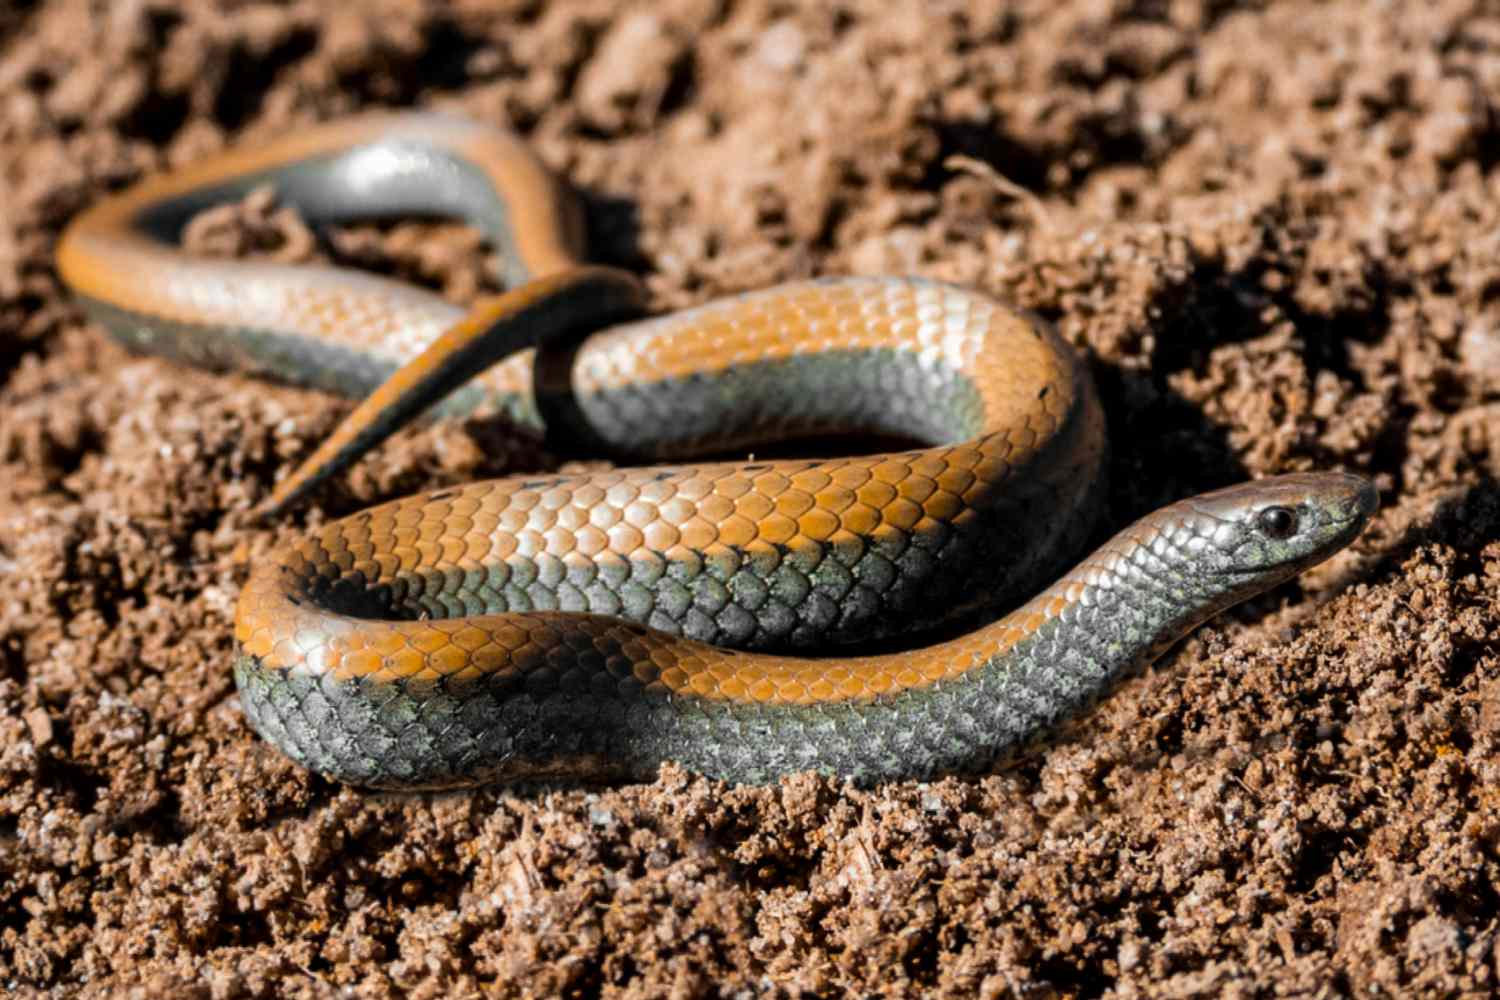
(597, 625)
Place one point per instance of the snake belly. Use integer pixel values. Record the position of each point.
(597, 625)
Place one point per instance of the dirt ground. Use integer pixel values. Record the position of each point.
(1273, 230)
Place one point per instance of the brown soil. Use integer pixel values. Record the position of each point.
(1274, 232)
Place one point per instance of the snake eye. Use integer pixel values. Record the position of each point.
(1277, 522)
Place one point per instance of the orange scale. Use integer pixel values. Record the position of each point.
(965, 457)
(388, 563)
(819, 525)
(821, 689)
(508, 634)
(361, 549)
(860, 520)
(852, 475)
(1022, 439)
(792, 690)
(732, 688)
(253, 640)
(426, 640)
(956, 480)
(716, 508)
(703, 685)
(541, 519)
(524, 500)
(732, 487)
(646, 672)
(392, 673)
(471, 637)
(890, 471)
(695, 488)
(405, 537)
(589, 540)
(793, 503)
(660, 536)
(836, 674)
(572, 517)
(916, 488)
(457, 525)
(778, 529)
(933, 668)
(621, 494)
(907, 678)
(513, 520)
(811, 480)
(530, 544)
(678, 510)
(450, 659)
(762, 690)
(380, 524)
(753, 506)
(876, 493)
(502, 546)
(750, 671)
(283, 652)
(386, 641)
(736, 531)
(586, 495)
(494, 500)
(929, 464)
(358, 663)
(431, 531)
(859, 686)
(771, 483)
(453, 549)
(604, 516)
(1054, 607)
(560, 541)
(698, 534)
(658, 491)
(902, 513)
(477, 551)
(408, 516)
(625, 538)
(641, 513)
(835, 498)
(943, 506)
(555, 498)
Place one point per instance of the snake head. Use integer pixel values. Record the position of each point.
(1275, 528)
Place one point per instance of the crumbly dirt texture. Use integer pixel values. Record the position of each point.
(1275, 234)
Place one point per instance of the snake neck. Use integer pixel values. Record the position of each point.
(1112, 615)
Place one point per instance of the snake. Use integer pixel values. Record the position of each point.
(747, 619)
